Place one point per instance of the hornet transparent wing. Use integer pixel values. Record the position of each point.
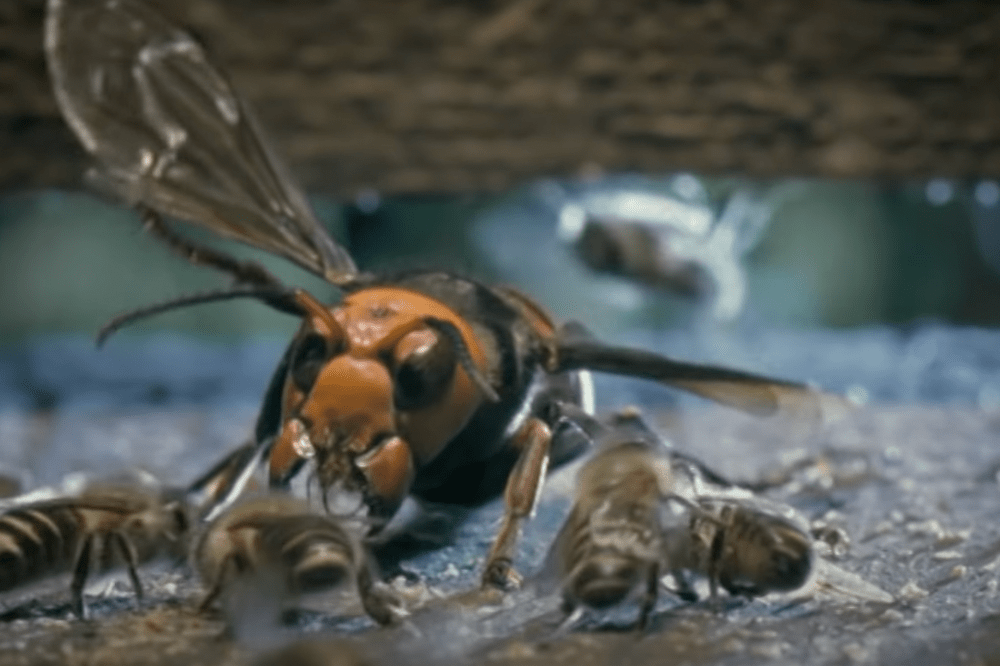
(170, 133)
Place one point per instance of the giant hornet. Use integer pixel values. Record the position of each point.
(422, 383)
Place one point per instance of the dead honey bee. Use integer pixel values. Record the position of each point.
(751, 546)
(106, 527)
(748, 547)
(423, 383)
(272, 549)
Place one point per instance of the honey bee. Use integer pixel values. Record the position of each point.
(748, 547)
(643, 510)
(106, 527)
(611, 546)
(274, 548)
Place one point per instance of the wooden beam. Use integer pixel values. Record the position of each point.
(447, 96)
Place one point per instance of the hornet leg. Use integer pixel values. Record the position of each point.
(520, 496)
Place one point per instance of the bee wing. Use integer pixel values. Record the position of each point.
(36, 496)
(225, 481)
(831, 579)
(749, 392)
(218, 489)
(549, 577)
(169, 132)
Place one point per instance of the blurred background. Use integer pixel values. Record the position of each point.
(724, 253)
(844, 157)
(838, 282)
(806, 191)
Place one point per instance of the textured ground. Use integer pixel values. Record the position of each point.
(912, 480)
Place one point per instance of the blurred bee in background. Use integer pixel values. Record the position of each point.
(666, 236)
(106, 527)
(264, 553)
(422, 384)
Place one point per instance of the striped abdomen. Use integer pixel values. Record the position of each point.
(275, 535)
(37, 541)
(612, 537)
(274, 547)
(316, 552)
(611, 551)
(107, 527)
(757, 552)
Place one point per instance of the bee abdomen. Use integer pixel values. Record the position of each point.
(35, 542)
(322, 567)
(320, 554)
(605, 579)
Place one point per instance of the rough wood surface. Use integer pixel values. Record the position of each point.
(439, 95)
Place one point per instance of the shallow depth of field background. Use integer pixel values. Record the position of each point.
(885, 288)
(839, 254)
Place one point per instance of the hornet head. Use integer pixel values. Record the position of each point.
(375, 388)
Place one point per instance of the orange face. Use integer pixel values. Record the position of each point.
(376, 388)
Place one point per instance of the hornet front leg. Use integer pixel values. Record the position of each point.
(534, 440)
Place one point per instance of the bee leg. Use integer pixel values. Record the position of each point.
(520, 497)
(81, 569)
(378, 601)
(232, 562)
(573, 613)
(715, 564)
(131, 562)
(210, 596)
(685, 590)
(649, 596)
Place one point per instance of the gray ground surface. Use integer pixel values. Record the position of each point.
(912, 481)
